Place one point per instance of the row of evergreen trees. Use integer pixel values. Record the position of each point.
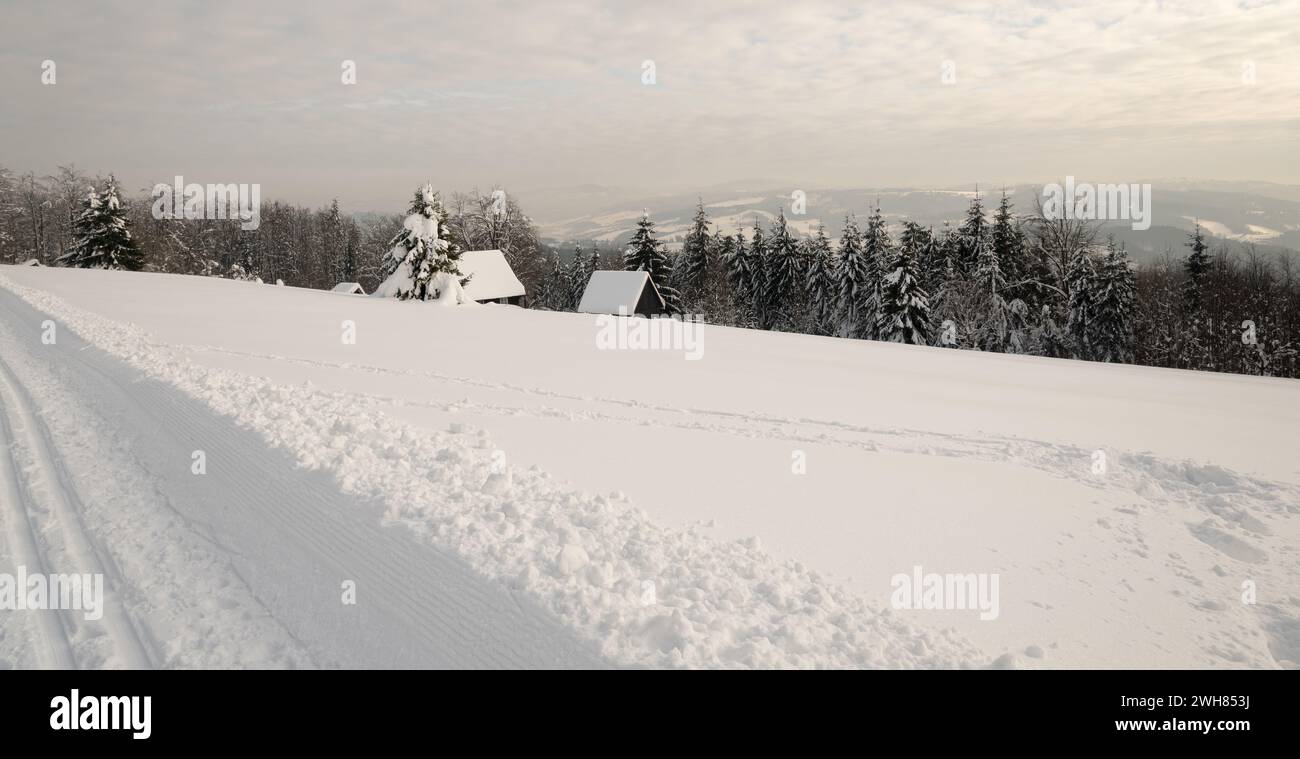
(974, 286)
(562, 287)
(43, 218)
(1031, 285)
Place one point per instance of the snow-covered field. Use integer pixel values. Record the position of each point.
(503, 492)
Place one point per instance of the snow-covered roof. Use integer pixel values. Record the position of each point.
(350, 288)
(608, 291)
(492, 276)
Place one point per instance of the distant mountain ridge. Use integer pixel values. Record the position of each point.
(1241, 213)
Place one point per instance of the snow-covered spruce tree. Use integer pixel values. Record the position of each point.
(555, 287)
(878, 249)
(950, 243)
(544, 293)
(822, 283)
(930, 261)
(1080, 282)
(927, 251)
(576, 276)
(784, 275)
(710, 297)
(857, 282)
(756, 255)
(740, 277)
(1008, 241)
(1019, 329)
(954, 298)
(1040, 285)
(1050, 339)
(988, 267)
(243, 267)
(1197, 267)
(351, 260)
(941, 266)
(421, 263)
(1113, 307)
(696, 251)
(332, 243)
(590, 265)
(994, 321)
(646, 253)
(1196, 337)
(904, 312)
(1158, 321)
(915, 238)
(102, 238)
(974, 234)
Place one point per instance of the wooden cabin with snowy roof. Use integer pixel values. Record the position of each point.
(349, 288)
(625, 293)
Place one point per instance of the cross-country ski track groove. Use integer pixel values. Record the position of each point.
(292, 536)
(41, 485)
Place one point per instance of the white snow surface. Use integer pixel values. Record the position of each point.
(654, 505)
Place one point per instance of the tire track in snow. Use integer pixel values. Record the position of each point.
(43, 481)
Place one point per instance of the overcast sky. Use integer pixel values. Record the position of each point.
(532, 95)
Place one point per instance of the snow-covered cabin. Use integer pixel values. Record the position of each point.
(491, 278)
(631, 291)
(349, 288)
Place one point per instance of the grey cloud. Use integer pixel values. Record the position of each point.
(549, 94)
